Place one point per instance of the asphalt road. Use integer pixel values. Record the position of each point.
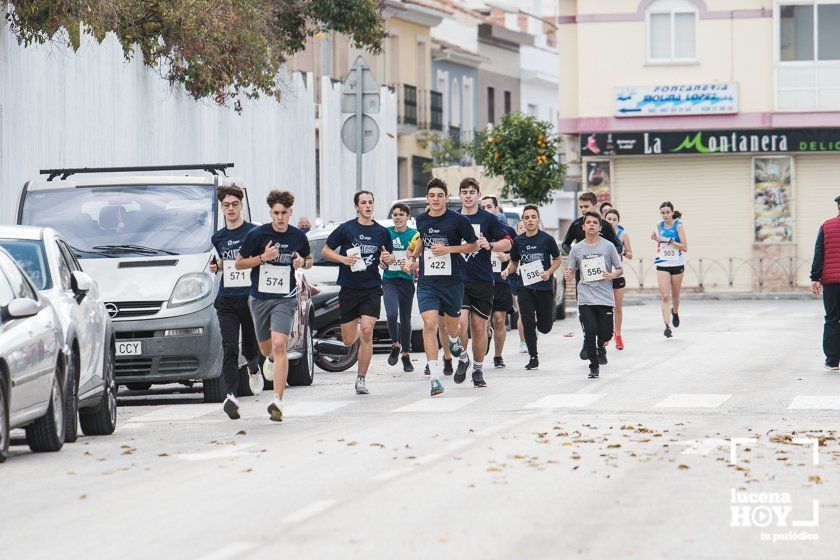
(546, 464)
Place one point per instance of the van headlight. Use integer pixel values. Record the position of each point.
(190, 288)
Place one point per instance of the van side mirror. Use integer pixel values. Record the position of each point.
(81, 283)
(22, 307)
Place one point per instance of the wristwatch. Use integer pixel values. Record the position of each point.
(262, 261)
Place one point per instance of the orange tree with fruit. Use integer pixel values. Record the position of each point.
(523, 150)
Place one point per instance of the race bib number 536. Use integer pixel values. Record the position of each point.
(531, 272)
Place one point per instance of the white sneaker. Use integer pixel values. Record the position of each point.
(275, 409)
(256, 383)
(268, 370)
(231, 407)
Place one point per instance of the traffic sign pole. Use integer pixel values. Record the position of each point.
(360, 133)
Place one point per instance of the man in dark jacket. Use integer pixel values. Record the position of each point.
(575, 234)
(825, 278)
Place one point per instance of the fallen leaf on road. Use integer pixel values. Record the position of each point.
(374, 444)
(164, 454)
(576, 457)
(567, 443)
(128, 451)
(494, 469)
(249, 469)
(683, 467)
(815, 479)
(71, 472)
(442, 540)
(614, 446)
(241, 433)
(83, 496)
(87, 453)
(351, 443)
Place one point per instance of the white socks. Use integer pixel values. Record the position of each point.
(434, 369)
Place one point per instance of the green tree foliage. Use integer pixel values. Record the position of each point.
(221, 49)
(442, 148)
(523, 151)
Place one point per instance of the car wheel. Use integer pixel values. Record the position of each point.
(4, 420)
(102, 420)
(334, 363)
(47, 432)
(302, 371)
(71, 400)
(142, 386)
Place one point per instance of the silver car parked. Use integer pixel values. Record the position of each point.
(32, 366)
(87, 337)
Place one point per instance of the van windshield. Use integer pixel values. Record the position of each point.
(126, 219)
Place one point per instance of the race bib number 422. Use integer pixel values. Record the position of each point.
(437, 266)
(274, 279)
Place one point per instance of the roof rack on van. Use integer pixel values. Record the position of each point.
(213, 168)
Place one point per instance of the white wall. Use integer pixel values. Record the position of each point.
(91, 108)
(338, 164)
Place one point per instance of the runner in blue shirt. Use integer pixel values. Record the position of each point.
(502, 292)
(273, 252)
(440, 287)
(360, 246)
(232, 303)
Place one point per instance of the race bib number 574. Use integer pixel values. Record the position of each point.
(274, 279)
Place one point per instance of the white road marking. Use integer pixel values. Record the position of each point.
(446, 404)
(226, 452)
(426, 459)
(815, 402)
(173, 413)
(309, 511)
(232, 550)
(301, 409)
(571, 400)
(393, 473)
(458, 444)
(701, 446)
(693, 400)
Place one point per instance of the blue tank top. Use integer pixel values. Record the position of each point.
(677, 259)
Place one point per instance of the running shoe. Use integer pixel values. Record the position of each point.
(478, 379)
(602, 356)
(668, 333)
(832, 366)
(533, 363)
(275, 409)
(394, 355)
(619, 344)
(456, 348)
(593, 372)
(498, 362)
(447, 366)
(231, 407)
(437, 387)
(256, 382)
(523, 348)
(675, 319)
(268, 370)
(407, 367)
(426, 371)
(361, 389)
(461, 372)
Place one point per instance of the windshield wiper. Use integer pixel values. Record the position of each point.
(139, 249)
(79, 252)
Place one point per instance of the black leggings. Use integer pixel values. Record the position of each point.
(597, 321)
(398, 295)
(536, 307)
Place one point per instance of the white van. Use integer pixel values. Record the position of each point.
(145, 239)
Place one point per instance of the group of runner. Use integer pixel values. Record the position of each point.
(472, 270)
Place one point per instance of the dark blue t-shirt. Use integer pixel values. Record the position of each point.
(289, 242)
(497, 276)
(478, 265)
(450, 228)
(542, 246)
(227, 243)
(370, 240)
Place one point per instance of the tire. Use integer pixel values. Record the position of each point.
(47, 432)
(214, 392)
(102, 420)
(417, 341)
(141, 386)
(328, 362)
(71, 400)
(302, 370)
(4, 419)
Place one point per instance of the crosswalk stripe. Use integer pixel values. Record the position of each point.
(446, 404)
(813, 402)
(171, 413)
(570, 400)
(314, 408)
(309, 511)
(693, 400)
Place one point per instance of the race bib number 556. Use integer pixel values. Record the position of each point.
(592, 269)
